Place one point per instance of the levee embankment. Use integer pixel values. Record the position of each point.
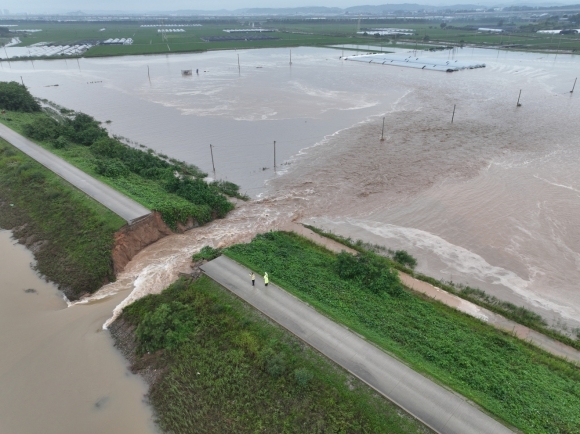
(78, 243)
(117, 202)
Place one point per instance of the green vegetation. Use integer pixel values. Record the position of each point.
(176, 189)
(207, 253)
(519, 314)
(224, 368)
(14, 96)
(294, 32)
(71, 235)
(521, 384)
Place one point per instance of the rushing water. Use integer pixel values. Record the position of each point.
(59, 372)
(491, 199)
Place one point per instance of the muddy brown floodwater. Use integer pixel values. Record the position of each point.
(59, 372)
(490, 200)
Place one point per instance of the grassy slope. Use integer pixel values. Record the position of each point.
(220, 378)
(79, 231)
(517, 382)
(518, 314)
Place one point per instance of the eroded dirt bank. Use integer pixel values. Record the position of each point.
(131, 239)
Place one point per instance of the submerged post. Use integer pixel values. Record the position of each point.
(518, 103)
(212, 164)
(290, 56)
(576, 79)
(22, 81)
(239, 63)
(453, 115)
(274, 154)
(383, 132)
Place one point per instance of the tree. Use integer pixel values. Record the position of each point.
(443, 25)
(15, 97)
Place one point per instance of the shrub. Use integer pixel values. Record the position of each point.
(388, 281)
(276, 365)
(404, 258)
(16, 97)
(249, 342)
(84, 129)
(166, 327)
(42, 128)
(272, 362)
(112, 168)
(60, 143)
(303, 376)
(208, 253)
(106, 147)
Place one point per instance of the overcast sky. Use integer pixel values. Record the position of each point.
(15, 6)
(168, 4)
(36, 6)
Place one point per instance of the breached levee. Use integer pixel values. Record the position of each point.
(415, 62)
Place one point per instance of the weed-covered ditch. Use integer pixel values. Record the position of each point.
(402, 261)
(71, 235)
(174, 188)
(517, 382)
(225, 369)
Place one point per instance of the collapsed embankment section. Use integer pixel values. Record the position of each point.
(131, 239)
(77, 243)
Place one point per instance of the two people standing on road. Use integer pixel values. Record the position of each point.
(253, 277)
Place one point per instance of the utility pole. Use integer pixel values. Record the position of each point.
(274, 154)
(383, 132)
(22, 81)
(572, 91)
(518, 103)
(239, 69)
(290, 56)
(212, 163)
(453, 115)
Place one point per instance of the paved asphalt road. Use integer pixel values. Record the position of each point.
(437, 407)
(117, 202)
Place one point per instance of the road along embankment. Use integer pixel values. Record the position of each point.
(78, 243)
(440, 409)
(120, 204)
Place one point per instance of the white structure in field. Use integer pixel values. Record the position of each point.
(170, 25)
(118, 41)
(253, 30)
(432, 64)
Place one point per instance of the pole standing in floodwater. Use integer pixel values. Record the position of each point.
(519, 96)
(274, 154)
(213, 165)
(383, 132)
(453, 115)
(576, 79)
